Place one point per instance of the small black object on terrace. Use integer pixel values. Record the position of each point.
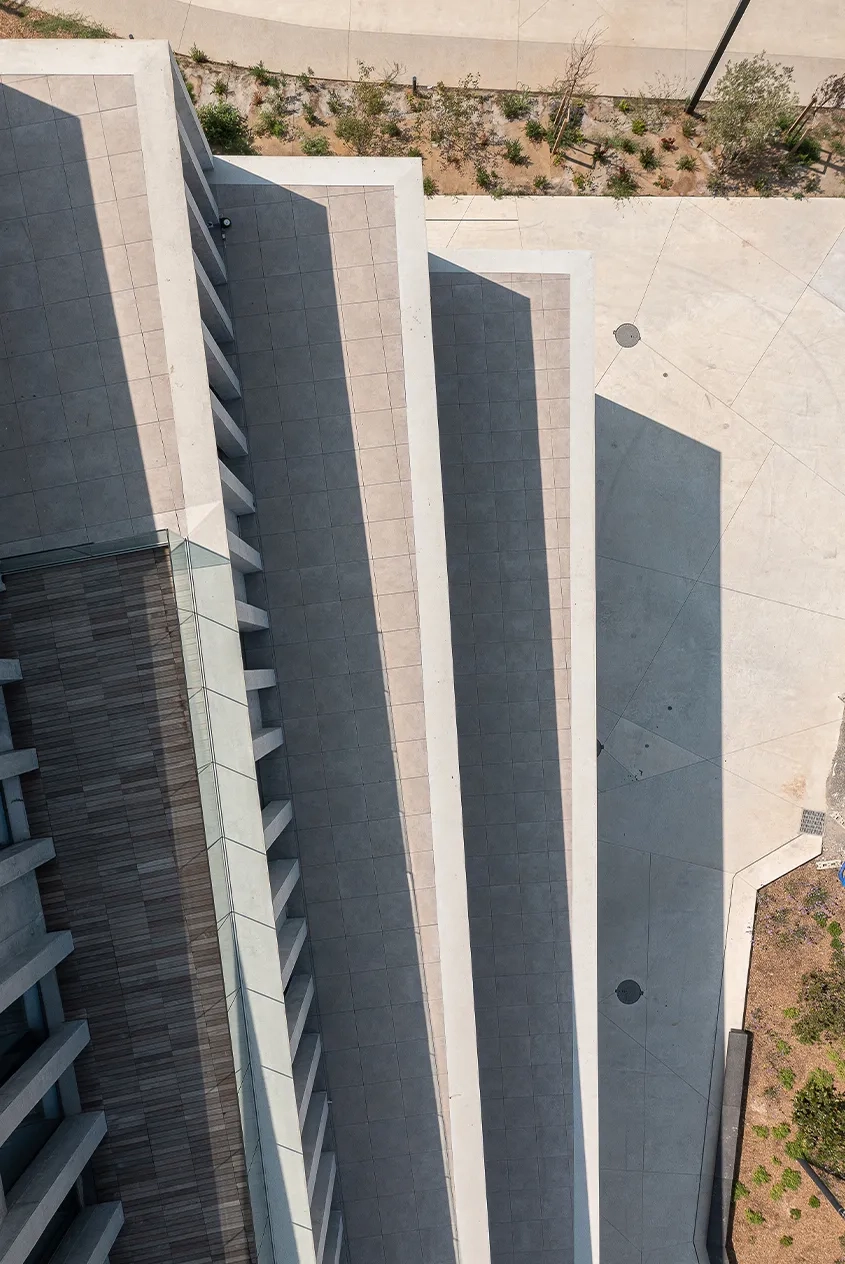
(629, 992)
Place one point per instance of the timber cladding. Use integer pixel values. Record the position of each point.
(104, 701)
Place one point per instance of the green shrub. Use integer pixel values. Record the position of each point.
(429, 186)
(272, 120)
(263, 76)
(623, 106)
(822, 1006)
(316, 146)
(834, 929)
(761, 1176)
(686, 162)
(786, 1075)
(792, 1012)
(197, 55)
(622, 183)
(311, 116)
(760, 1130)
(781, 1131)
(415, 153)
(814, 1201)
(542, 184)
(749, 99)
(535, 131)
(514, 154)
(782, 1048)
(786, 1240)
(791, 1178)
(485, 179)
(220, 88)
(794, 1150)
(754, 1217)
(795, 1213)
(639, 127)
(515, 105)
(365, 121)
(808, 151)
(648, 158)
(740, 1191)
(226, 129)
(627, 145)
(818, 1112)
(689, 128)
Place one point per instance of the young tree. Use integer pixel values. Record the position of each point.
(576, 81)
(749, 103)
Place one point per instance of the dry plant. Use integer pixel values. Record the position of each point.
(829, 95)
(455, 121)
(366, 120)
(576, 82)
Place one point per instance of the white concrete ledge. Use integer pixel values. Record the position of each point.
(236, 495)
(251, 618)
(243, 556)
(274, 818)
(195, 176)
(321, 1202)
(37, 1196)
(298, 1000)
(334, 1239)
(290, 937)
(221, 376)
(24, 1090)
(15, 763)
(91, 1236)
(230, 438)
(284, 875)
(260, 678)
(212, 311)
(23, 857)
(312, 1138)
(203, 242)
(265, 741)
(304, 1070)
(26, 968)
(187, 114)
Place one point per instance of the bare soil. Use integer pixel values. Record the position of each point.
(788, 942)
(606, 126)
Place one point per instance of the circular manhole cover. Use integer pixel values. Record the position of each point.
(629, 991)
(627, 335)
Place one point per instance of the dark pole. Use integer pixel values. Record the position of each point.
(822, 1187)
(717, 56)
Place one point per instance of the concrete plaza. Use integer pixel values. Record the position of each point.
(721, 632)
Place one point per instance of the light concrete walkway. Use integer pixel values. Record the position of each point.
(721, 592)
(507, 42)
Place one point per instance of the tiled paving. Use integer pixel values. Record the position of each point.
(104, 703)
(502, 360)
(87, 449)
(314, 289)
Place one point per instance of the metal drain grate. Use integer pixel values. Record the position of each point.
(627, 335)
(629, 992)
(812, 822)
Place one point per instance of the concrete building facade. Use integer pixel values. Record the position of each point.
(298, 629)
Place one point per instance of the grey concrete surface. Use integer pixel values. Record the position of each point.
(502, 357)
(86, 424)
(314, 290)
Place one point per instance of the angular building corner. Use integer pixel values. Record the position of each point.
(297, 732)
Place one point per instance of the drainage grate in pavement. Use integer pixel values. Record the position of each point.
(629, 991)
(627, 335)
(812, 822)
